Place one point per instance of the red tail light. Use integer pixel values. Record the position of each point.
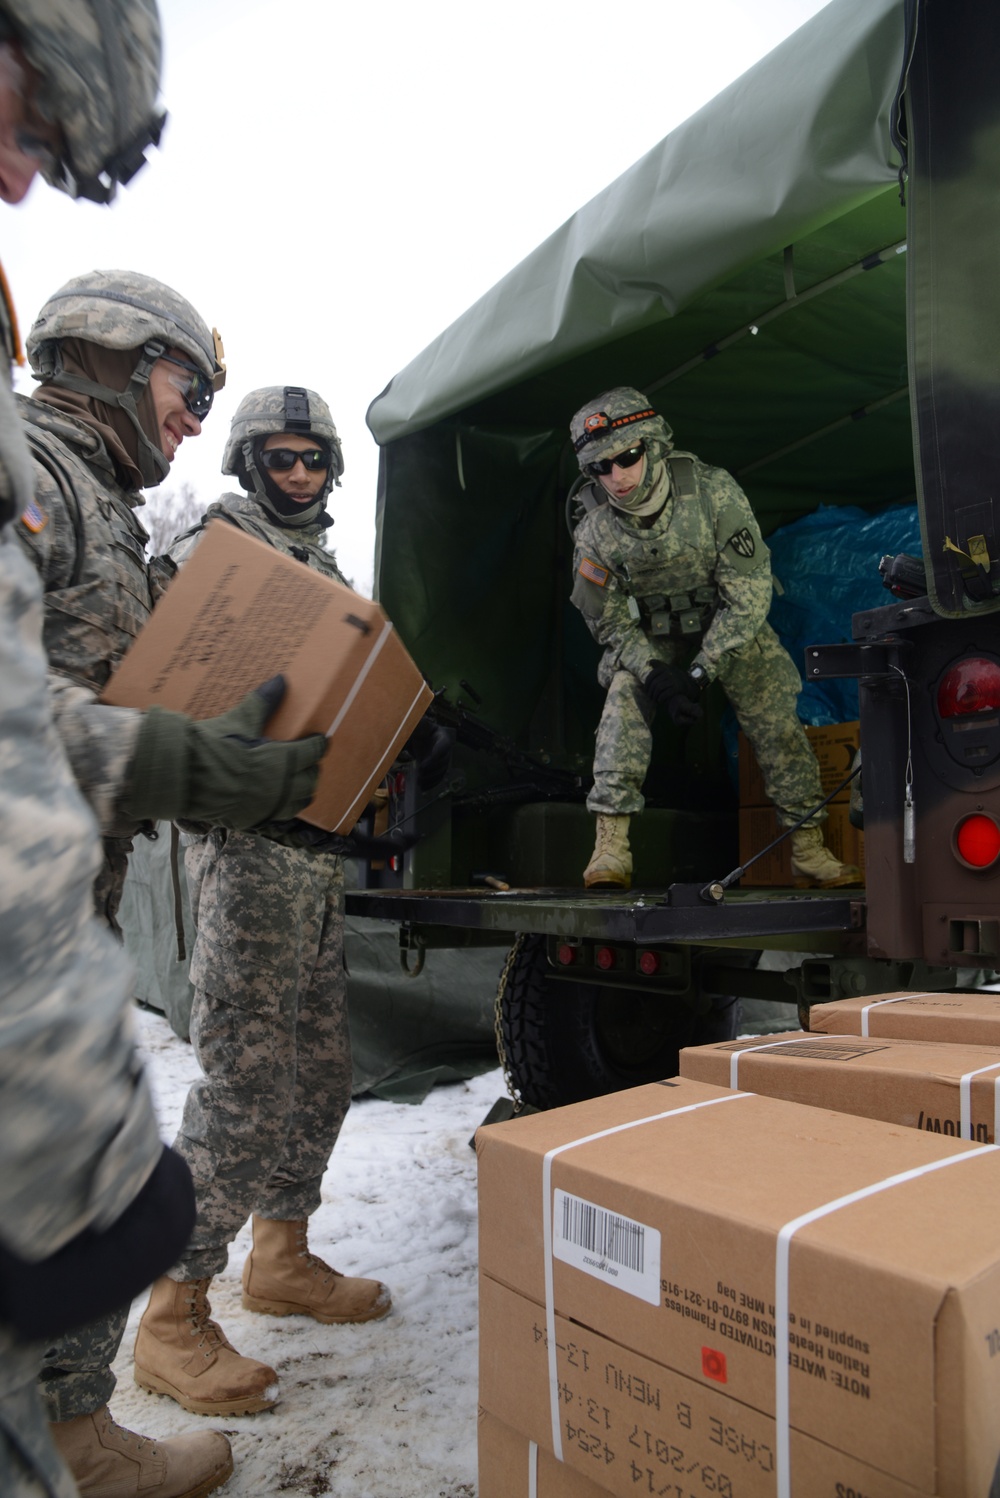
(605, 957)
(977, 839)
(973, 686)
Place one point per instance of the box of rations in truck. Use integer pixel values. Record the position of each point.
(945, 1089)
(834, 745)
(686, 1288)
(239, 612)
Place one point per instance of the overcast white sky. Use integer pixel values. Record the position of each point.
(339, 182)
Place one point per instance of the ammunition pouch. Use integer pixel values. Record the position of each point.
(682, 615)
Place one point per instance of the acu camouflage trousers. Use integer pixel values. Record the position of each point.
(762, 684)
(269, 1029)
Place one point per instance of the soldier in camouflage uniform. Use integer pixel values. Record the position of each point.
(673, 579)
(269, 1018)
(128, 370)
(79, 1145)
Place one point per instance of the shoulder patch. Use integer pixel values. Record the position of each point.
(743, 543)
(594, 573)
(33, 518)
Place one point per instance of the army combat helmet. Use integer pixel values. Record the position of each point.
(264, 413)
(613, 421)
(123, 309)
(99, 65)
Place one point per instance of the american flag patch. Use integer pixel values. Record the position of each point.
(33, 519)
(593, 573)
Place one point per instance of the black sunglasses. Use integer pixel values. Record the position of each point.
(628, 459)
(198, 393)
(285, 458)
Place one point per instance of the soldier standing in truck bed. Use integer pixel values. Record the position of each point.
(673, 579)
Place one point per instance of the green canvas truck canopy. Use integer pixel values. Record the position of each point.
(749, 274)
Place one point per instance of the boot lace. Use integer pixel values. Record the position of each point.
(209, 1333)
(316, 1264)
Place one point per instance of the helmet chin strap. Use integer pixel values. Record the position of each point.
(154, 465)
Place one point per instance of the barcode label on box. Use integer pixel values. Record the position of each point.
(612, 1248)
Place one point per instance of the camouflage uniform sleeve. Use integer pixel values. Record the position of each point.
(78, 1138)
(182, 546)
(742, 571)
(605, 607)
(99, 741)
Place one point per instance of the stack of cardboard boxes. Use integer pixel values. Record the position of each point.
(834, 747)
(777, 1274)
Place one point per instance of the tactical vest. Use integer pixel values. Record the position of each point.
(246, 514)
(97, 587)
(666, 572)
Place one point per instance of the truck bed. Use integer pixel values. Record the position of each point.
(647, 916)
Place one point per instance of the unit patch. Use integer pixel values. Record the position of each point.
(593, 573)
(33, 519)
(743, 543)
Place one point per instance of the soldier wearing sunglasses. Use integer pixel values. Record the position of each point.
(673, 579)
(269, 1016)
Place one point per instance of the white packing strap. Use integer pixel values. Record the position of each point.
(550, 1312)
(532, 1470)
(772, 1045)
(904, 998)
(781, 1296)
(391, 740)
(965, 1093)
(373, 656)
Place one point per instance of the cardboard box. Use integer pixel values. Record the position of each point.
(833, 744)
(966, 1018)
(630, 1425)
(686, 1285)
(240, 612)
(759, 826)
(944, 1089)
(511, 1466)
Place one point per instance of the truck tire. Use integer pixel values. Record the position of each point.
(564, 1041)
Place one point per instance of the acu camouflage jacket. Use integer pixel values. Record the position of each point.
(89, 547)
(634, 585)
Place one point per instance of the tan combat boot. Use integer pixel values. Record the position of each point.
(108, 1461)
(611, 861)
(282, 1278)
(180, 1351)
(814, 866)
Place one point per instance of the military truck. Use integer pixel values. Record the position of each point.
(802, 279)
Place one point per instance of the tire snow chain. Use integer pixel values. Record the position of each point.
(509, 962)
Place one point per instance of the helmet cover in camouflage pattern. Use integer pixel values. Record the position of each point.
(282, 408)
(123, 309)
(615, 420)
(99, 62)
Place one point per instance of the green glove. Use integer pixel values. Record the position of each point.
(219, 770)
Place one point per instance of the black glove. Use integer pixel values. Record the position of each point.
(429, 745)
(355, 844)
(673, 689)
(219, 770)
(95, 1273)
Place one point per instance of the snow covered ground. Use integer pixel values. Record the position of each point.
(386, 1410)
